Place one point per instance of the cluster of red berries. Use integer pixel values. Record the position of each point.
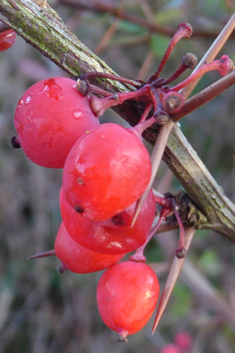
(106, 168)
(106, 171)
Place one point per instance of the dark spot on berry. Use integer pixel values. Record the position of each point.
(118, 220)
(80, 181)
(79, 209)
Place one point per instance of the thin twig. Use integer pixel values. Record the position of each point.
(99, 7)
(205, 96)
(211, 53)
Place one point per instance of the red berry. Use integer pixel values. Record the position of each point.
(112, 236)
(78, 259)
(183, 340)
(127, 295)
(7, 39)
(171, 348)
(106, 171)
(49, 119)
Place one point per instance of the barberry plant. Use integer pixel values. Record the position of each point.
(107, 204)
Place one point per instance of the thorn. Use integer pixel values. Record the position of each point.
(172, 278)
(169, 286)
(156, 158)
(139, 205)
(43, 254)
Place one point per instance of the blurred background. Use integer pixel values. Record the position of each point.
(44, 311)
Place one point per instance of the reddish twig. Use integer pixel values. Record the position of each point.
(205, 96)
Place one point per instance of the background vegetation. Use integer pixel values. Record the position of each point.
(43, 311)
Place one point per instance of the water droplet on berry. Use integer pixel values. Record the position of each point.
(28, 100)
(52, 89)
(77, 114)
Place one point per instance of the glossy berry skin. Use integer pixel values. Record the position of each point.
(106, 171)
(49, 119)
(112, 236)
(78, 259)
(7, 39)
(127, 295)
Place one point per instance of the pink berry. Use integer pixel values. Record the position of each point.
(78, 259)
(112, 236)
(127, 295)
(106, 171)
(49, 119)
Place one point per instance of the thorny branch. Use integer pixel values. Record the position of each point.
(42, 28)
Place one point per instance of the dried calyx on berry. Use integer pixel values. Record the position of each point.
(15, 142)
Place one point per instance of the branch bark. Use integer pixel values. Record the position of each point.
(41, 27)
